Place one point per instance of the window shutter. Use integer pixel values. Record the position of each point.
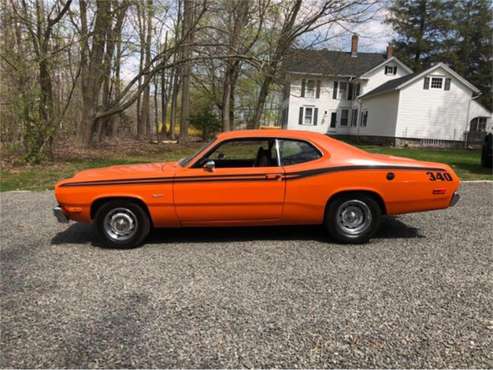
(447, 84)
(334, 91)
(318, 89)
(315, 116)
(350, 91)
(426, 85)
(395, 69)
(303, 83)
(300, 120)
(358, 87)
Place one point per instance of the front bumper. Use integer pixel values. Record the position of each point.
(454, 200)
(60, 215)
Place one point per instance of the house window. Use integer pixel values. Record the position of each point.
(308, 116)
(354, 118)
(333, 119)
(364, 118)
(310, 88)
(344, 117)
(343, 90)
(436, 82)
(308, 119)
(390, 70)
(478, 124)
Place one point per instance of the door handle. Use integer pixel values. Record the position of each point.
(273, 176)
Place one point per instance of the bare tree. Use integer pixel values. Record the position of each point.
(297, 20)
(245, 22)
(40, 24)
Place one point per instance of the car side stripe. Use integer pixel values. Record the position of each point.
(243, 177)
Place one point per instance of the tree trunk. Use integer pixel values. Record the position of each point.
(164, 93)
(226, 112)
(156, 107)
(141, 22)
(187, 70)
(174, 105)
(146, 116)
(93, 67)
(113, 39)
(254, 122)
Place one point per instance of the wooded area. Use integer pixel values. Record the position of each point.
(85, 72)
(96, 69)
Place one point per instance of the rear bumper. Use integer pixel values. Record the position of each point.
(454, 200)
(60, 215)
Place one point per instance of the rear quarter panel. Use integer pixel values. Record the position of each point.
(409, 191)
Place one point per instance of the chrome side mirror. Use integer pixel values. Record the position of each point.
(209, 165)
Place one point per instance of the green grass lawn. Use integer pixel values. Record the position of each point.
(465, 162)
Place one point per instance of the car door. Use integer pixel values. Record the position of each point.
(305, 196)
(245, 185)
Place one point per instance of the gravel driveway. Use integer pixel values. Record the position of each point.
(419, 295)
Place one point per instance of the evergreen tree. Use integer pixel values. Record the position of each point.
(421, 26)
(472, 55)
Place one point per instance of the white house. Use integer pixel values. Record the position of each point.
(379, 99)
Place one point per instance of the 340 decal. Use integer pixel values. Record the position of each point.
(441, 176)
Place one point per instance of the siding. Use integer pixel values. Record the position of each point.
(382, 115)
(433, 113)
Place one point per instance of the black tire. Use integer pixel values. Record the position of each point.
(126, 212)
(354, 205)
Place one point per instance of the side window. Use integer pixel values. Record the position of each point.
(344, 117)
(243, 153)
(295, 151)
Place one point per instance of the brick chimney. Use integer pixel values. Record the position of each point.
(390, 50)
(354, 45)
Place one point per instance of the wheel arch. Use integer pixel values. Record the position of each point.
(370, 192)
(98, 202)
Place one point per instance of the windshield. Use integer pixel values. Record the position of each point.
(186, 160)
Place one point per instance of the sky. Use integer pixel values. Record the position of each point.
(374, 35)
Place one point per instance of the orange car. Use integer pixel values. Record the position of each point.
(257, 177)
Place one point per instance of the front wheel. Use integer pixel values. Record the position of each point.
(353, 218)
(122, 224)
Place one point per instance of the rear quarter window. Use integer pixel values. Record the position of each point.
(297, 151)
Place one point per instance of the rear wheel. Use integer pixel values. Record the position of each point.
(353, 218)
(122, 224)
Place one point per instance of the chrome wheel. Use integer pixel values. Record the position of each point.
(120, 224)
(354, 217)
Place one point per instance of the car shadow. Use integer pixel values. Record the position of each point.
(391, 228)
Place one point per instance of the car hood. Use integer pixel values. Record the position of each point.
(122, 172)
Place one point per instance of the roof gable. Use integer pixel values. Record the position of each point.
(448, 70)
(399, 83)
(391, 60)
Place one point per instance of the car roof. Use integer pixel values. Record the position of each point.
(279, 133)
(322, 140)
